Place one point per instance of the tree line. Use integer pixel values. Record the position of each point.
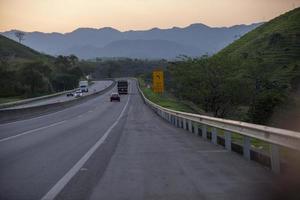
(227, 89)
(39, 77)
(121, 67)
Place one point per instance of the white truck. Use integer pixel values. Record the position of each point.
(84, 86)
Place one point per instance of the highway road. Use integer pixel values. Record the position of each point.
(109, 150)
(96, 87)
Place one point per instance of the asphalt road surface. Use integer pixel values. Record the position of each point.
(110, 150)
(96, 87)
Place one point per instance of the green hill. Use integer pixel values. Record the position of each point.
(248, 79)
(273, 49)
(12, 51)
(27, 73)
(277, 42)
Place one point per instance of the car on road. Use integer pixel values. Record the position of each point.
(70, 94)
(83, 85)
(78, 93)
(122, 86)
(115, 97)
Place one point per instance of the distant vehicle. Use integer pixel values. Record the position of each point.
(70, 94)
(122, 86)
(115, 97)
(84, 86)
(78, 93)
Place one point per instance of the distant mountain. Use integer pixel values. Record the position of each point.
(152, 49)
(194, 40)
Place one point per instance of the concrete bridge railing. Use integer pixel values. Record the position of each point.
(199, 124)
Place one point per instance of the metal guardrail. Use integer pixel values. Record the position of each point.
(25, 101)
(11, 115)
(194, 123)
(21, 102)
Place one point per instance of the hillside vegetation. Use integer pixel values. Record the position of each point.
(27, 73)
(11, 51)
(248, 79)
(122, 67)
(275, 43)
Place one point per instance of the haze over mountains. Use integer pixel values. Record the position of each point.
(194, 40)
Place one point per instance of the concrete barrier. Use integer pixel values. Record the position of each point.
(11, 115)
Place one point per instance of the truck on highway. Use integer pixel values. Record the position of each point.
(84, 86)
(122, 86)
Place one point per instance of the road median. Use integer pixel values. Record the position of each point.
(10, 115)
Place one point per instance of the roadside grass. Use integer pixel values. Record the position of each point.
(236, 138)
(165, 100)
(9, 99)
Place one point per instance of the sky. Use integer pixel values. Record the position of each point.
(67, 15)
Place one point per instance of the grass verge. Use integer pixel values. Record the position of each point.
(165, 100)
(9, 99)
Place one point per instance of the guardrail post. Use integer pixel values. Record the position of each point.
(204, 131)
(184, 123)
(228, 140)
(275, 158)
(180, 123)
(246, 147)
(196, 130)
(214, 135)
(190, 126)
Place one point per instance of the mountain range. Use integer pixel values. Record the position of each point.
(87, 43)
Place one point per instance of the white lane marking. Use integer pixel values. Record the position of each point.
(41, 128)
(56, 189)
(32, 131)
(213, 151)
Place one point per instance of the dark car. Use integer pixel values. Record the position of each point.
(115, 97)
(70, 94)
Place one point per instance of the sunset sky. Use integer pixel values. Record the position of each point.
(67, 15)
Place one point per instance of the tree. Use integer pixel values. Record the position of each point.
(20, 35)
(34, 78)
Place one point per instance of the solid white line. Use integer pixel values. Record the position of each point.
(31, 131)
(213, 151)
(55, 190)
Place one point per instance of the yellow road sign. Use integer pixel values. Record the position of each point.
(158, 81)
